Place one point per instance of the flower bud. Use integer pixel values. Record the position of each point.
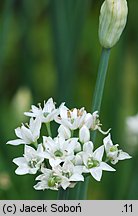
(64, 132)
(113, 17)
(84, 134)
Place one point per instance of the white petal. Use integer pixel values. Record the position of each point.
(18, 132)
(123, 155)
(29, 114)
(67, 124)
(77, 147)
(46, 171)
(64, 132)
(98, 153)
(63, 111)
(49, 106)
(35, 126)
(40, 148)
(26, 135)
(22, 171)
(55, 162)
(65, 184)
(51, 116)
(28, 150)
(108, 143)
(76, 177)
(32, 170)
(78, 169)
(19, 161)
(88, 147)
(85, 158)
(68, 165)
(71, 144)
(84, 134)
(35, 109)
(40, 186)
(88, 120)
(106, 167)
(49, 143)
(78, 159)
(16, 142)
(96, 173)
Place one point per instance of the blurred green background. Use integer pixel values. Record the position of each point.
(50, 48)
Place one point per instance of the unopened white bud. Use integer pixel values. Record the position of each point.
(113, 17)
(64, 132)
(84, 134)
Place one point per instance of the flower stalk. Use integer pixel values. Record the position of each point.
(96, 105)
(48, 129)
(63, 194)
(102, 71)
(111, 25)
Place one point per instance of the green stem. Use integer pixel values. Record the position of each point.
(96, 105)
(35, 144)
(63, 194)
(48, 129)
(102, 71)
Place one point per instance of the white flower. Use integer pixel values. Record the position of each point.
(112, 152)
(47, 180)
(64, 132)
(69, 174)
(93, 161)
(92, 122)
(72, 119)
(84, 134)
(31, 162)
(27, 135)
(46, 114)
(59, 150)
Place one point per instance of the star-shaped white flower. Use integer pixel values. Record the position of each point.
(30, 162)
(112, 152)
(93, 163)
(69, 174)
(47, 180)
(58, 150)
(27, 135)
(72, 119)
(92, 122)
(46, 114)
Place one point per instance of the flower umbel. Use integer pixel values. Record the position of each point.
(67, 158)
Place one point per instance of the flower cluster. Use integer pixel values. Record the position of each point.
(70, 156)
